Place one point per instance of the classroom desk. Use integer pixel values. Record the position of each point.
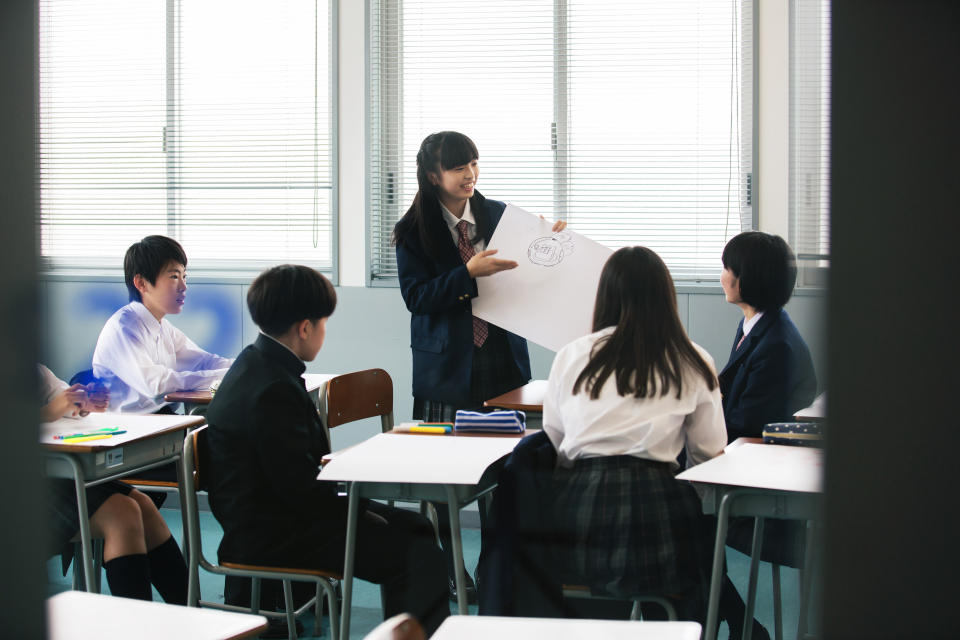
(75, 615)
(391, 466)
(816, 412)
(485, 627)
(195, 401)
(528, 398)
(150, 441)
(759, 481)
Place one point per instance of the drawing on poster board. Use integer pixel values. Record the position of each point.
(548, 251)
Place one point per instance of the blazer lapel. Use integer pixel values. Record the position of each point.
(734, 352)
(754, 337)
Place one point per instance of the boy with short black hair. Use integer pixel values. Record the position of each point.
(139, 351)
(265, 443)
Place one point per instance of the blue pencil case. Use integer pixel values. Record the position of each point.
(803, 434)
(505, 421)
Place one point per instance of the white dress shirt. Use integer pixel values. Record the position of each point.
(652, 428)
(452, 222)
(752, 322)
(50, 386)
(143, 359)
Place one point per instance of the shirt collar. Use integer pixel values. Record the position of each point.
(452, 220)
(153, 325)
(752, 322)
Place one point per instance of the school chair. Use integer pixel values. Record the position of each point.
(358, 395)
(79, 582)
(577, 591)
(194, 457)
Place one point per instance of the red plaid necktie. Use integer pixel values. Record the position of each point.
(742, 338)
(480, 329)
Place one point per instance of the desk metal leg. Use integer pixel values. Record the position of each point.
(716, 576)
(454, 508)
(754, 568)
(807, 581)
(353, 504)
(84, 517)
(777, 602)
(184, 520)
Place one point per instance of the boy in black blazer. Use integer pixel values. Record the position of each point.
(266, 441)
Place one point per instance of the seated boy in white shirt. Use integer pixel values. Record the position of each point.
(139, 352)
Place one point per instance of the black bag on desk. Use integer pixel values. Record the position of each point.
(803, 434)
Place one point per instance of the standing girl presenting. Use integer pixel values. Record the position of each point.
(458, 360)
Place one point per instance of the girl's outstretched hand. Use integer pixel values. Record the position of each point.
(483, 264)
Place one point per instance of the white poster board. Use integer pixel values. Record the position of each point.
(549, 298)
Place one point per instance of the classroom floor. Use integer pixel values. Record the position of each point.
(366, 610)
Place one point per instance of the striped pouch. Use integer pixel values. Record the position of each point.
(507, 421)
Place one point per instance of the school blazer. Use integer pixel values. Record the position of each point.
(769, 378)
(264, 444)
(438, 294)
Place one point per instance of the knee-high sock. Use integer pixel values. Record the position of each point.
(168, 572)
(129, 576)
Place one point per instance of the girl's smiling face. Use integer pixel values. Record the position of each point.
(458, 183)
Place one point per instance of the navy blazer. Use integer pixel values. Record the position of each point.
(769, 378)
(438, 294)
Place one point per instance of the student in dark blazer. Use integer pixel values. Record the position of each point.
(768, 378)
(458, 360)
(769, 375)
(265, 443)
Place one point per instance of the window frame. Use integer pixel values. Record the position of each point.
(749, 217)
(812, 268)
(56, 268)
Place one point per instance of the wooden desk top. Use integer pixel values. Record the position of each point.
(484, 627)
(76, 615)
(529, 397)
(205, 396)
(137, 427)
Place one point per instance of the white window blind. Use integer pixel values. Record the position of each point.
(206, 120)
(810, 130)
(630, 119)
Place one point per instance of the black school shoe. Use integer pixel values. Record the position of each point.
(471, 589)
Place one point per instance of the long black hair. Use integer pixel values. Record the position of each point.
(648, 348)
(438, 152)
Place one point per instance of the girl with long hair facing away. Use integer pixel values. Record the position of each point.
(621, 404)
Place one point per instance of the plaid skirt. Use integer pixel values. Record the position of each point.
(63, 519)
(628, 527)
(492, 373)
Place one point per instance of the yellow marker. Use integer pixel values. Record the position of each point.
(85, 439)
(422, 429)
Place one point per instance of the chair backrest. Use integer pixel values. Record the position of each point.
(84, 377)
(192, 481)
(359, 395)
